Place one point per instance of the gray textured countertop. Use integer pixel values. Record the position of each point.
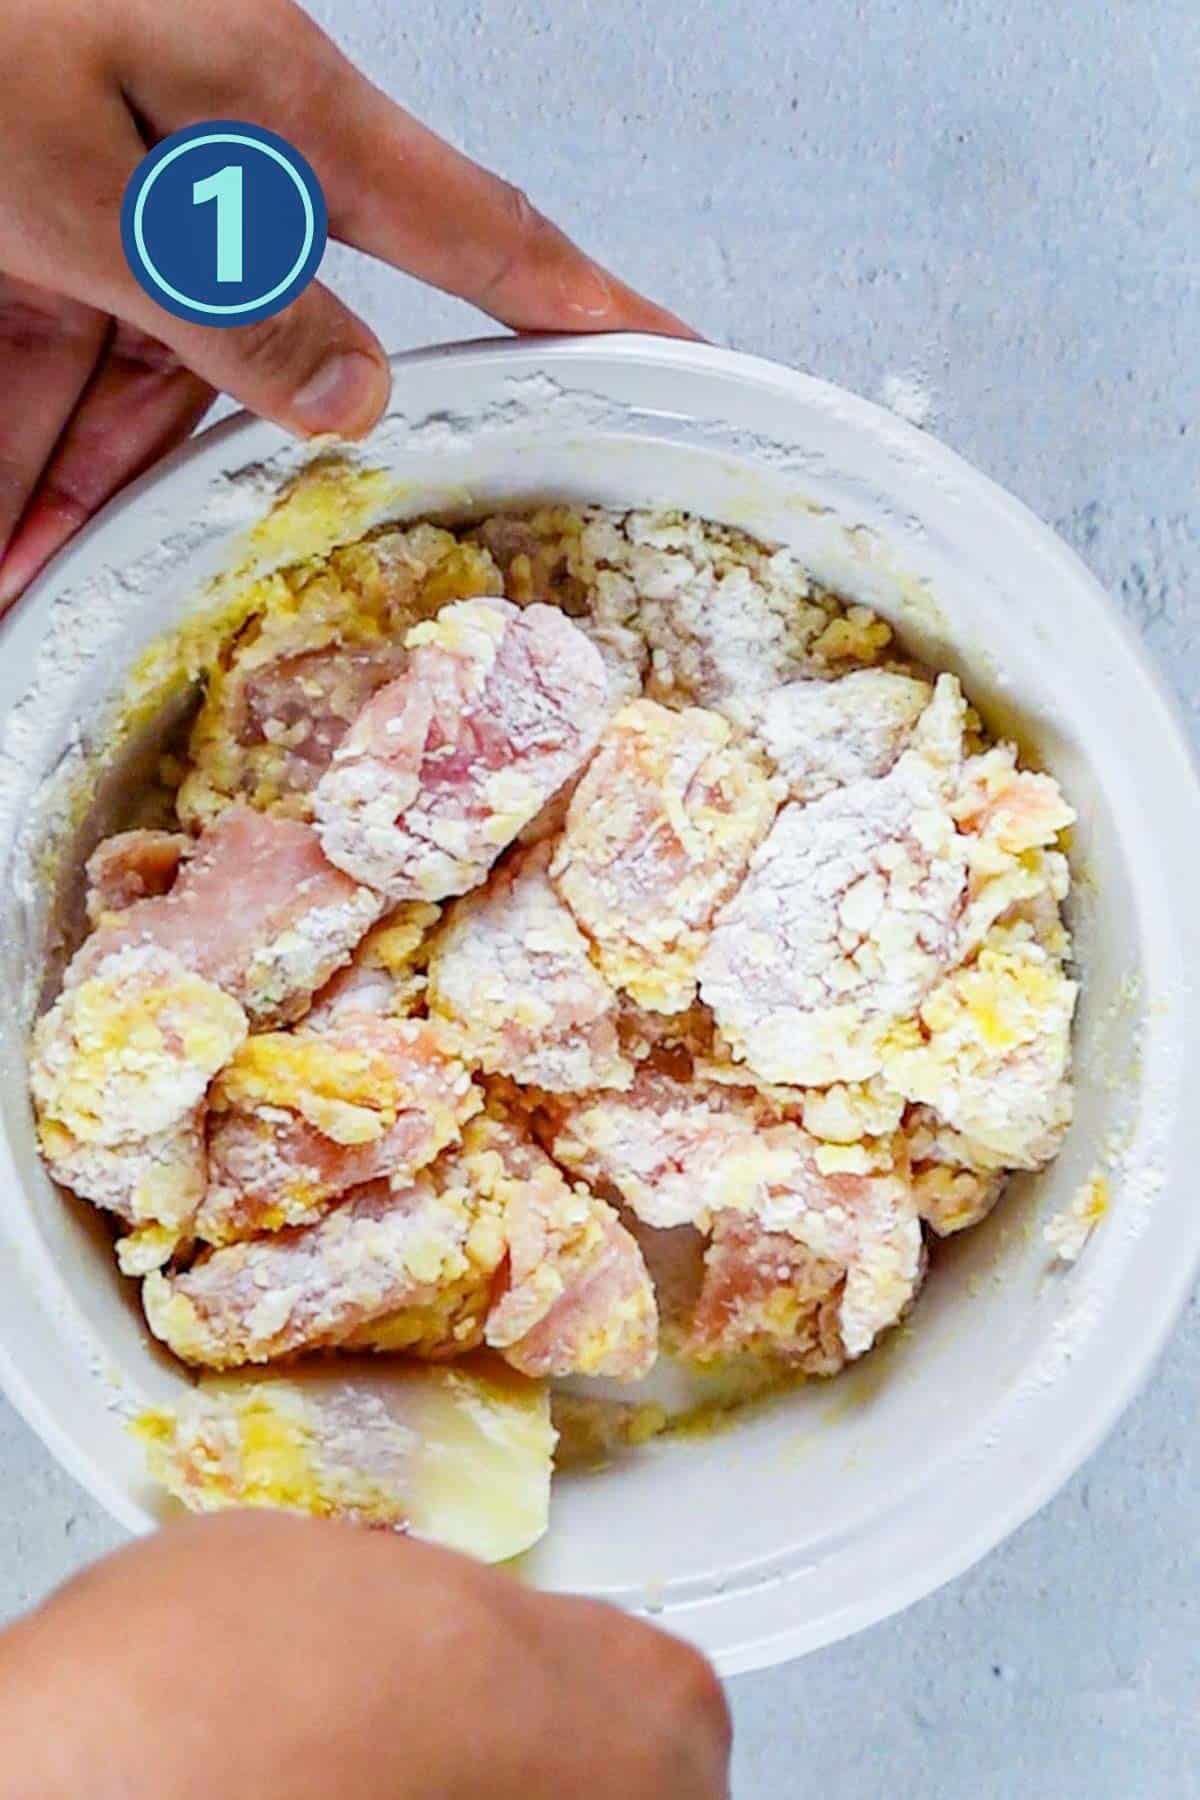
(985, 214)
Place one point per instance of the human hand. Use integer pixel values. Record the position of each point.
(97, 380)
(257, 1655)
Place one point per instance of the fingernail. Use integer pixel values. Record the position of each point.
(593, 296)
(347, 394)
(587, 292)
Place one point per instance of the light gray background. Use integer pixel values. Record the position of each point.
(985, 214)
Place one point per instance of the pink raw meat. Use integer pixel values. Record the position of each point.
(578, 1297)
(271, 1166)
(685, 1153)
(497, 710)
(134, 865)
(511, 969)
(306, 703)
(314, 1287)
(766, 1293)
(258, 910)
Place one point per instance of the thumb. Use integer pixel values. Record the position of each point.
(312, 368)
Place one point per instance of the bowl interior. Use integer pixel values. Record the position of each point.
(831, 1506)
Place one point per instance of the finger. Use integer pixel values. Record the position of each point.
(140, 403)
(683, 1723)
(48, 349)
(431, 211)
(313, 368)
(394, 189)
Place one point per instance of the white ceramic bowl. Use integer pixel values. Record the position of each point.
(836, 1506)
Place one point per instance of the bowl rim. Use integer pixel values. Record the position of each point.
(1026, 1489)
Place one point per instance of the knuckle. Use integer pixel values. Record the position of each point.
(522, 229)
(520, 215)
(71, 499)
(704, 1693)
(692, 1694)
(688, 1687)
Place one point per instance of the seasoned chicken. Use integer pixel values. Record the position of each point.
(577, 1298)
(850, 913)
(498, 710)
(991, 1056)
(459, 1455)
(589, 940)
(301, 1117)
(658, 836)
(315, 1286)
(822, 735)
(683, 1153)
(258, 910)
(511, 970)
(306, 659)
(120, 1071)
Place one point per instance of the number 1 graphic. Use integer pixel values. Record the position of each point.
(225, 187)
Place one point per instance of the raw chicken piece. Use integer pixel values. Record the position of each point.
(300, 1117)
(675, 1151)
(1012, 817)
(444, 767)
(315, 1286)
(822, 735)
(511, 970)
(991, 1056)
(258, 910)
(682, 1153)
(578, 1298)
(851, 911)
(459, 1456)
(154, 1184)
(540, 559)
(130, 1051)
(674, 1260)
(658, 835)
(950, 1195)
(386, 974)
(308, 656)
(765, 1293)
(1009, 809)
(724, 618)
(134, 865)
(119, 1073)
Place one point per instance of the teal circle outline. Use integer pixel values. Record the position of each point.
(241, 306)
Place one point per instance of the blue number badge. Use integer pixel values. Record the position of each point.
(224, 223)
